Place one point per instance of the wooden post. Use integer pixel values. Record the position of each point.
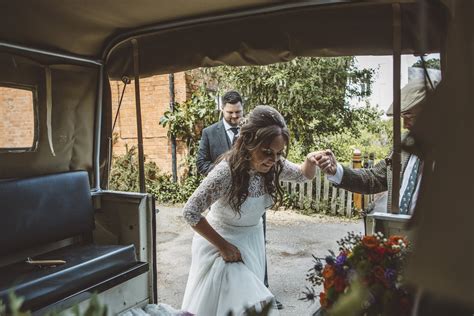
(357, 164)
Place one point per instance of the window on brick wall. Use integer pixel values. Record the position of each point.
(18, 119)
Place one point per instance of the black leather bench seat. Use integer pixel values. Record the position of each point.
(86, 266)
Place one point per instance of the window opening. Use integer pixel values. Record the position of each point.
(18, 118)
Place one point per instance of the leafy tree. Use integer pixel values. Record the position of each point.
(433, 63)
(188, 119)
(311, 93)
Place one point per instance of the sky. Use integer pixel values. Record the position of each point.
(383, 78)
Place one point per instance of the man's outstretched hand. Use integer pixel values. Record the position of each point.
(327, 162)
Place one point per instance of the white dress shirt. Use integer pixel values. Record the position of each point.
(230, 134)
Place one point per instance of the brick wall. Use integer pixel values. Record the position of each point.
(16, 118)
(155, 100)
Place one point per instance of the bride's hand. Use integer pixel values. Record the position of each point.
(326, 161)
(230, 253)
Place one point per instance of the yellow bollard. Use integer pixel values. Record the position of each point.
(357, 164)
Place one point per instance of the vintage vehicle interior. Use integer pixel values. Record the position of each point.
(55, 201)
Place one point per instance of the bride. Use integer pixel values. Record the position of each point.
(228, 250)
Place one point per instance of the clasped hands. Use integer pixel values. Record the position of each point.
(325, 160)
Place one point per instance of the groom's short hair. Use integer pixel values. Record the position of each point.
(231, 97)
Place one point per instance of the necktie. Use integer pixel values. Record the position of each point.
(234, 130)
(410, 189)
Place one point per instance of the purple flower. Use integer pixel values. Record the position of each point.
(341, 260)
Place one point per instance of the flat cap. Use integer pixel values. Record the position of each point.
(411, 95)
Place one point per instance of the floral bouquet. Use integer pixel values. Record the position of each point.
(375, 263)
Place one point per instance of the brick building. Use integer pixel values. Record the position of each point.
(17, 118)
(155, 100)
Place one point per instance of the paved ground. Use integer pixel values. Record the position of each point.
(292, 238)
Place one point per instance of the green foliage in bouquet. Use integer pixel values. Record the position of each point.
(14, 308)
(251, 311)
(372, 266)
(95, 308)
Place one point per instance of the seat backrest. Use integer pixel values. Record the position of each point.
(44, 209)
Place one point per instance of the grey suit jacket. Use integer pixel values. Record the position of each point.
(214, 142)
(373, 180)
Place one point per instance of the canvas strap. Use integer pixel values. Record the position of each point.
(49, 108)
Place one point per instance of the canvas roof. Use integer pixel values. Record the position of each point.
(210, 32)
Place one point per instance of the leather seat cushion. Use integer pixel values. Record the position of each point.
(85, 266)
(36, 211)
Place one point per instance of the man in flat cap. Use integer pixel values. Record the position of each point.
(379, 177)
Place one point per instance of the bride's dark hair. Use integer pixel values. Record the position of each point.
(261, 127)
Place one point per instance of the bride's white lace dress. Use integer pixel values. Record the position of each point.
(215, 287)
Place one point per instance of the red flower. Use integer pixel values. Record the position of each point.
(393, 243)
(328, 283)
(339, 284)
(377, 254)
(381, 251)
(395, 239)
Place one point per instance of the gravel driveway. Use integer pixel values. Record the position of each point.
(291, 239)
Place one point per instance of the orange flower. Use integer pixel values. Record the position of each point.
(328, 271)
(393, 243)
(370, 241)
(328, 283)
(394, 240)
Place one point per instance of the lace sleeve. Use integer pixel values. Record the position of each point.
(210, 190)
(292, 172)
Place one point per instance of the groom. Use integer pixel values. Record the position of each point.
(219, 137)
